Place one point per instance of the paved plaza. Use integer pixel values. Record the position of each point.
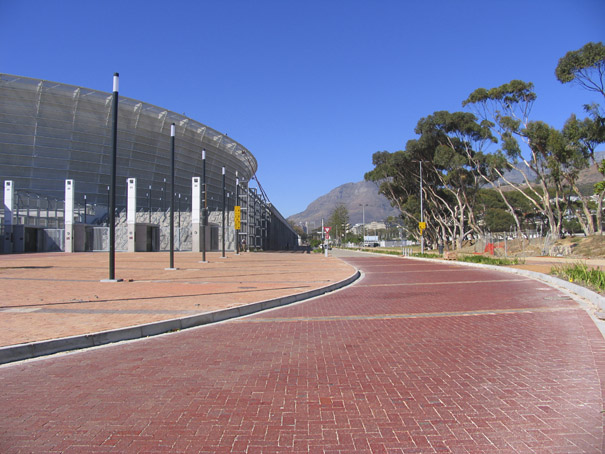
(414, 357)
(47, 296)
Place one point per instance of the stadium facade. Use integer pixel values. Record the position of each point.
(52, 132)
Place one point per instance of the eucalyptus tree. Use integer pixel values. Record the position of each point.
(398, 179)
(456, 141)
(507, 110)
(581, 139)
(446, 148)
(585, 66)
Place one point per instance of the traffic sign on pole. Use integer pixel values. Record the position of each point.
(238, 217)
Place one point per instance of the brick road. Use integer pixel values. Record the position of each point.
(420, 357)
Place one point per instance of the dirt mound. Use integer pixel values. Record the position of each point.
(583, 247)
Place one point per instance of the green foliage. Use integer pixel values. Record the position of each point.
(339, 221)
(514, 92)
(426, 255)
(585, 66)
(314, 243)
(498, 220)
(489, 260)
(580, 272)
(600, 186)
(456, 165)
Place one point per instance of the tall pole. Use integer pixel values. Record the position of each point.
(236, 204)
(224, 202)
(149, 203)
(112, 190)
(421, 213)
(204, 206)
(172, 134)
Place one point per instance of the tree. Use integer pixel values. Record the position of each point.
(581, 139)
(507, 109)
(452, 141)
(299, 230)
(339, 221)
(446, 146)
(585, 66)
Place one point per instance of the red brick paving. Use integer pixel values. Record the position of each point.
(485, 363)
(54, 295)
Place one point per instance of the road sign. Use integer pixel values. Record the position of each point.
(327, 231)
(237, 214)
(422, 226)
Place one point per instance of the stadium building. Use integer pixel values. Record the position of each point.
(52, 132)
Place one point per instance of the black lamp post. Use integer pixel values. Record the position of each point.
(204, 206)
(172, 134)
(149, 204)
(112, 190)
(224, 203)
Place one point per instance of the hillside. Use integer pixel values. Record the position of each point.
(351, 195)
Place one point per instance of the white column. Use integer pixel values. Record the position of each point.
(69, 215)
(131, 213)
(196, 206)
(9, 207)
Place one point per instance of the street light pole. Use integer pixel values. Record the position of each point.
(172, 136)
(238, 205)
(421, 213)
(149, 204)
(224, 202)
(112, 190)
(363, 223)
(205, 206)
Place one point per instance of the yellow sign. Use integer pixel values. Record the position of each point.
(238, 217)
(422, 226)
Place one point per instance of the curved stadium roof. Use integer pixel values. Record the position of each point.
(50, 132)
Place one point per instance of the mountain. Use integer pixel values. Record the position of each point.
(352, 196)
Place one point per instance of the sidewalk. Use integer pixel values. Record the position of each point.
(55, 295)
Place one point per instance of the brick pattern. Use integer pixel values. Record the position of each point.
(47, 296)
(352, 371)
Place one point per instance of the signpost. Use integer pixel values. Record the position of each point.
(237, 212)
(327, 236)
(422, 227)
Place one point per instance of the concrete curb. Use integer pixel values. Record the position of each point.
(30, 350)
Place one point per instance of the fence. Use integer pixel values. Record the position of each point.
(517, 244)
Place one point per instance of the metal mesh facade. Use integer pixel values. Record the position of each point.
(50, 132)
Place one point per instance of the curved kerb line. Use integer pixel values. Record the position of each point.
(31, 350)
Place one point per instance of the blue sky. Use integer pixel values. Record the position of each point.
(311, 88)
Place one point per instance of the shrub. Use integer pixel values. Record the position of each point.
(489, 260)
(579, 272)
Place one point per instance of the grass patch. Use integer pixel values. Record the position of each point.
(426, 255)
(489, 260)
(581, 273)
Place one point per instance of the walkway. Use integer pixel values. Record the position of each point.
(421, 357)
(54, 295)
